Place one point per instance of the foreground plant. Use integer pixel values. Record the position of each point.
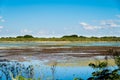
(15, 70)
(102, 72)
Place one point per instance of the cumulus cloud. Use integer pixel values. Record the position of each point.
(110, 23)
(118, 16)
(26, 31)
(45, 33)
(1, 27)
(1, 19)
(88, 26)
(42, 32)
(65, 28)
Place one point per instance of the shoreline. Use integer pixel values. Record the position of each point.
(66, 41)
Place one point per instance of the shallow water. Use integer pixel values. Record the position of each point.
(116, 44)
(56, 44)
(51, 72)
(48, 72)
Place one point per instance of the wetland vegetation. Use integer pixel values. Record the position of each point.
(63, 38)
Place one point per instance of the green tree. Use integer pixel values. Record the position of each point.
(70, 36)
(28, 36)
(19, 37)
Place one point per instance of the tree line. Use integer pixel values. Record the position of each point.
(63, 38)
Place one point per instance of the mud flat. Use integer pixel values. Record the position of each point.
(55, 53)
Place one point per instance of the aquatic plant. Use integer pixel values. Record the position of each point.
(15, 70)
(53, 67)
(103, 73)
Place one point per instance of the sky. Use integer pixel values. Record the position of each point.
(55, 18)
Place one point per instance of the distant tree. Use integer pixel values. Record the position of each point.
(2, 37)
(82, 37)
(74, 35)
(19, 37)
(11, 37)
(70, 36)
(28, 36)
(94, 37)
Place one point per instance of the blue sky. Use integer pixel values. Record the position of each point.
(48, 18)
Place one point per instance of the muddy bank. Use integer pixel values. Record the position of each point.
(55, 52)
(86, 50)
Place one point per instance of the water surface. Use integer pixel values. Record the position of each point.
(57, 44)
(40, 68)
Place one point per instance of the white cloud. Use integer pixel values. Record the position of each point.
(110, 23)
(1, 27)
(42, 32)
(46, 33)
(26, 31)
(118, 16)
(65, 28)
(89, 27)
(102, 24)
(53, 32)
(1, 19)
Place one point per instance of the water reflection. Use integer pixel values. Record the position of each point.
(12, 70)
(38, 70)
